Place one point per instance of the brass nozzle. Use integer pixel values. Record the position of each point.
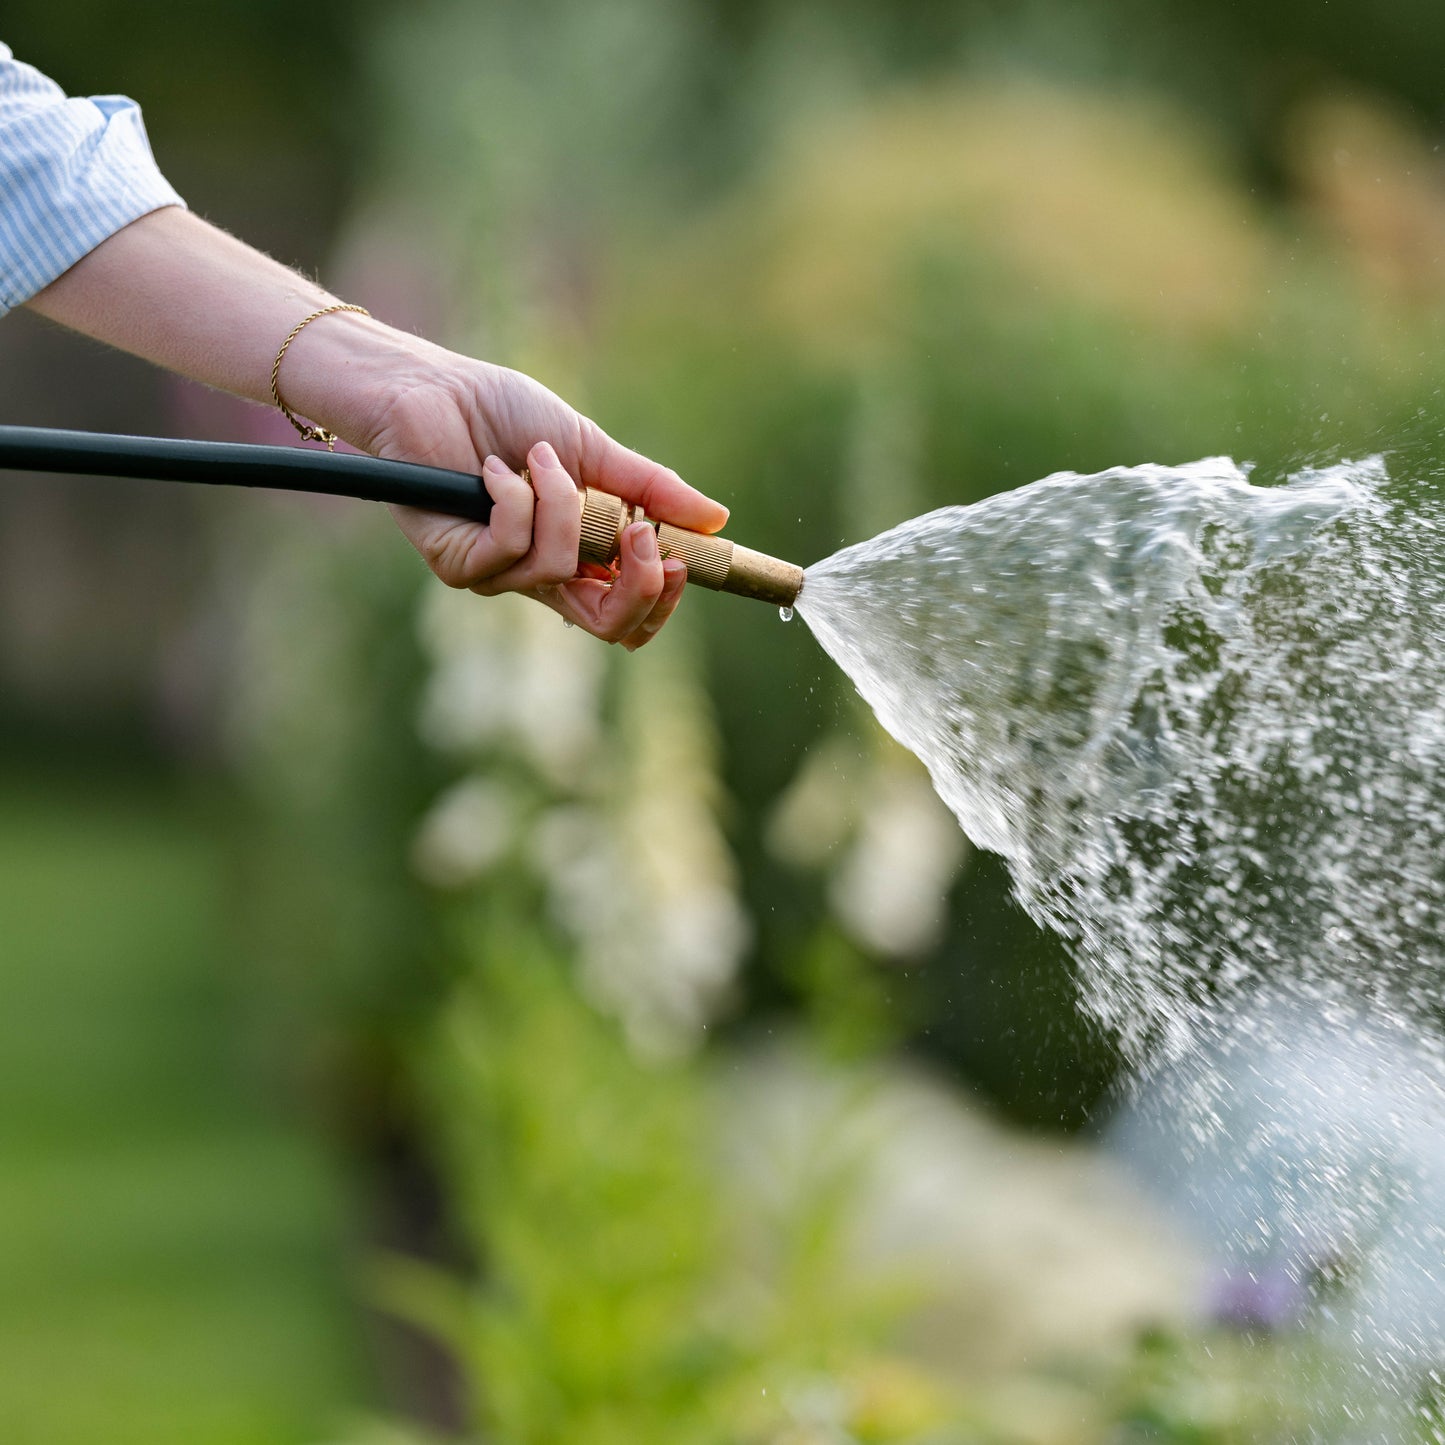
(712, 561)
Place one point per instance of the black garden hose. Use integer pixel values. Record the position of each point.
(243, 464)
(712, 561)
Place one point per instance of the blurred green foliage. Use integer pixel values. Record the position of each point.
(169, 1243)
(837, 264)
(646, 1324)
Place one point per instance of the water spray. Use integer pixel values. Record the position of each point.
(713, 562)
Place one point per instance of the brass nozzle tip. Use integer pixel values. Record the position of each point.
(769, 579)
(713, 562)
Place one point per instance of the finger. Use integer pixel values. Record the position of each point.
(551, 557)
(465, 554)
(617, 611)
(507, 541)
(557, 525)
(581, 602)
(514, 506)
(659, 490)
(674, 579)
(554, 525)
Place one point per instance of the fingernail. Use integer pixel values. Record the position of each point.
(644, 543)
(494, 464)
(542, 455)
(673, 572)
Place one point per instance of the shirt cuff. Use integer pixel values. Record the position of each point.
(73, 172)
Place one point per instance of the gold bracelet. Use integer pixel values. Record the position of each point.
(308, 433)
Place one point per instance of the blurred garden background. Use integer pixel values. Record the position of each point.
(422, 1021)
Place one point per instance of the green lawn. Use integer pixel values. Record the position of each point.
(169, 1259)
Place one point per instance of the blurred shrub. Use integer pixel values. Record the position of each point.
(924, 296)
(613, 1304)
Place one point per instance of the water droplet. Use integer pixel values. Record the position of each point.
(786, 613)
(567, 622)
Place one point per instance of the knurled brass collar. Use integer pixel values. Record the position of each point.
(604, 519)
(708, 558)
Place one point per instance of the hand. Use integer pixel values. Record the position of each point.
(174, 289)
(477, 418)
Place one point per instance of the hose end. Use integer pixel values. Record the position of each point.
(712, 561)
(769, 579)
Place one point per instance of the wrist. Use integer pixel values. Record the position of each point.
(337, 367)
(345, 370)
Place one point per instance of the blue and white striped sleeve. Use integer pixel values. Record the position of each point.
(72, 172)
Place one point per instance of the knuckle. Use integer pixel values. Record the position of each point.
(532, 572)
(510, 549)
(443, 552)
(554, 571)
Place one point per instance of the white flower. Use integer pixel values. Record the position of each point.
(819, 809)
(891, 891)
(506, 672)
(469, 828)
(636, 869)
(641, 876)
(895, 847)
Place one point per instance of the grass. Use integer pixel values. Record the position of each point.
(169, 1267)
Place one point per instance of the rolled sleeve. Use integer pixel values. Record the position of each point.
(72, 173)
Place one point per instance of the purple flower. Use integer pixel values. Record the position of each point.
(1266, 1299)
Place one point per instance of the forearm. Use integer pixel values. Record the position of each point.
(181, 293)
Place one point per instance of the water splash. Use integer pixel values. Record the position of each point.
(1204, 721)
